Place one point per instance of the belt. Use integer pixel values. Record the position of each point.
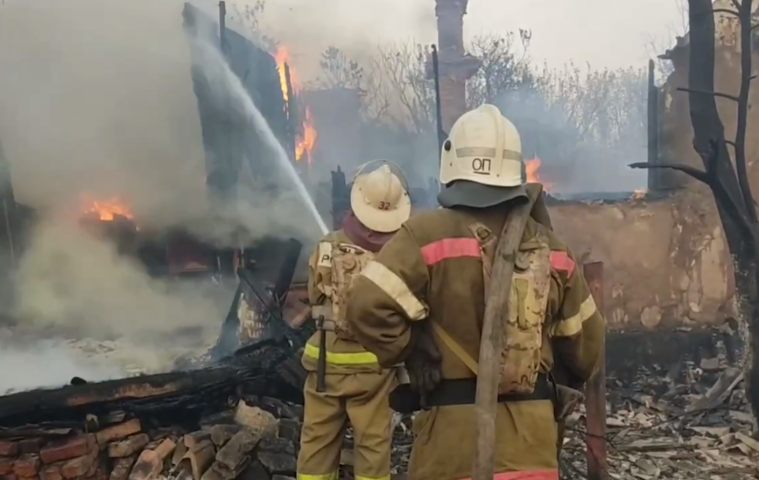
(463, 392)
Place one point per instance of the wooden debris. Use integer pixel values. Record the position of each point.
(175, 426)
(673, 423)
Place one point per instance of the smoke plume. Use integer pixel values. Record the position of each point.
(99, 100)
(46, 363)
(75, 280)
(73, 284)
(96, 99)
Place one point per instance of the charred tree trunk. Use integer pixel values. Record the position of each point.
(730, 185)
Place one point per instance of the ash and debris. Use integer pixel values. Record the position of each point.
(606, 198)
(682, 421)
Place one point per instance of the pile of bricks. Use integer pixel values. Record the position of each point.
(247, 442)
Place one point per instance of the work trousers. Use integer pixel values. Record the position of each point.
(362, 399)
(525, 443)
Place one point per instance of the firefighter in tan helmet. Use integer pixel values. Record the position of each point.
(345, 382)
(422, 300)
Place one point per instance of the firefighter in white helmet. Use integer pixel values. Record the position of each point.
(345, 382)
(422, 300)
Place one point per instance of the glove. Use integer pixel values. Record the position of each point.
(424, 363)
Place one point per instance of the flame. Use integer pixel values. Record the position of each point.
(305, 141)
(532, 167)
(105, 210)
(306, 144)
(283, 56)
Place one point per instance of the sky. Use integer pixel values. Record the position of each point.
(604, 33)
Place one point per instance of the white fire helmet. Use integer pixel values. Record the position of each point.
(380, 198)
(481, 161)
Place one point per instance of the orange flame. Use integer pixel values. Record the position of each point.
(532, 167)
(305, 141)
(283, 56)
(105, 210)
(306, 144)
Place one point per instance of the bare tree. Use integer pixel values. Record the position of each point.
(503, 67)
(340, 71)
(726, 175)
(250, 17)
(675, 30)
(403, 67)
(586, 124)
(606, 105)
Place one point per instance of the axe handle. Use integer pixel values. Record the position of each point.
(491, 343)
(321, 365)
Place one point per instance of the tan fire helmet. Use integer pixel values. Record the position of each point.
(481, 161)
(380, 199)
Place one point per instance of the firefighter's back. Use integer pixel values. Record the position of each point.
(526, 430)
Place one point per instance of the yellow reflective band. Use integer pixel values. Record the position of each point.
(395, 288)
(361, 477)
(573, 325)
(358, 358)
(326, 476)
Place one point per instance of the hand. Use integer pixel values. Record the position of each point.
(424, 363)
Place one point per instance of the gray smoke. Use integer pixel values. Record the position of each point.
(99, 101)
(96, 100)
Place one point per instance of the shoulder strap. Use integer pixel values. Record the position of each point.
(457, 350)
(488, 242)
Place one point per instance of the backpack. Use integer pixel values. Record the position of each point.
(347, 263)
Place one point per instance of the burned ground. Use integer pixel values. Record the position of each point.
(679, 415)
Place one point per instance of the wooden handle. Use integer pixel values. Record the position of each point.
(491, 343)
